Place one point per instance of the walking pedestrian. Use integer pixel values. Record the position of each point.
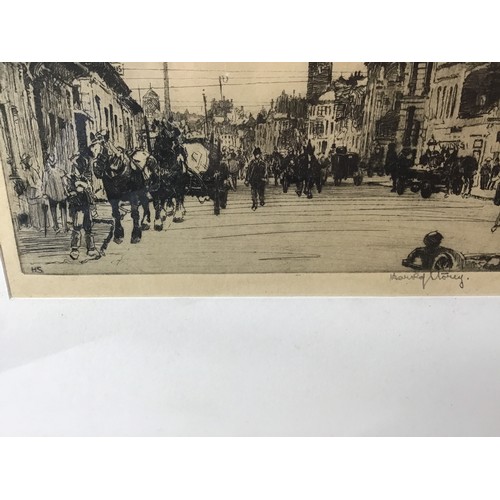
(54, 188)
(495, 173)
(485, 174)
(80, 202)
(257, 178)
(391, 164)
(33, 195)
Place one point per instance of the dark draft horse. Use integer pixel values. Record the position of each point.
(124, 179)
(169, 179)
(307, 172)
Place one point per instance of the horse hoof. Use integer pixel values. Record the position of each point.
(493, 229)
(158, 227)
(178, 219)
(92, 253)
(118, 241)
(74, 254)
(145, 227)
(135, 240)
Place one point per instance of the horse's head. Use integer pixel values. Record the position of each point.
(142, 161)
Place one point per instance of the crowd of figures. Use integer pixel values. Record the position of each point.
(66, 197)
(299, 168)
(439, 169)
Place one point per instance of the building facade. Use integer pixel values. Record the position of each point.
(103, 104)
(52, 108)
(337, 118)
(382, 108)
(319, 79)
(321, 126)
(462, 108)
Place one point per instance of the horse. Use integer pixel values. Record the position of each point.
(307, 172)
(276, 160)
(169, 179)
(469, 166)
(459, 172)
(123, 179)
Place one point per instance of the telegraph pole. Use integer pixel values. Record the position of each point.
(206, 114)
(167, 90)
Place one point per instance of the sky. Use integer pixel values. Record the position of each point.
(251, 85)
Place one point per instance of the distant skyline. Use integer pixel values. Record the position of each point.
(251, 85)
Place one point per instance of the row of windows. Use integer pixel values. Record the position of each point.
(321, 110)
(444, 102)
(320, 128)
(110, 120)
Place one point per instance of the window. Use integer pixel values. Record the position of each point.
(443, 101)
(448, 106)
(413, 79)
(98, 104)
(453, 104)
(112, 121)
(480, 91)
(481, 100)
(428, 75)
(438, 95)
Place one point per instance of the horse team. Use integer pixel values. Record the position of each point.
(138, 178)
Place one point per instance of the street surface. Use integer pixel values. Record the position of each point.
(343, 229)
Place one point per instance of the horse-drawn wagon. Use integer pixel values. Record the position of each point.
(346, 165)
(450, 175)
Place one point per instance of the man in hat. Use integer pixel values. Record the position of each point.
(433, 257)
(257, 178)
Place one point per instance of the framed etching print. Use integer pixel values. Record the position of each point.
(320, 178)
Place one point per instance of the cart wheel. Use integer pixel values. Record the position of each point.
(443, 262)
(426, 190)
(358, 180)
(400, 186)
(414, 188)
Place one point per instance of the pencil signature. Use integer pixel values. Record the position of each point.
(426, 278)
